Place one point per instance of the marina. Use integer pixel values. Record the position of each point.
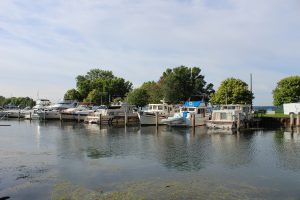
(54, 160)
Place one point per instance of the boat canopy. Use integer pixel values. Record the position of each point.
(192, 103)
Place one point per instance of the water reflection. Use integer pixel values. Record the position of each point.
(96, 156)
(287, 148)
(177, 148)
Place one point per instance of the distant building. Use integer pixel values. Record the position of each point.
(291, 108)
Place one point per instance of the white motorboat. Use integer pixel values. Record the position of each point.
(79, 113)
(117, 112)
(230, 116)
(192, 113)
(157, 112)
(40, 105)
(53, 111)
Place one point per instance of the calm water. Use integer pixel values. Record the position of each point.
(75, 161)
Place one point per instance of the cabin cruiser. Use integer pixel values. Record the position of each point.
(78, 113)
(106, 115)
(157, 112)
(230, 116)
(53, 111)
(192, 113)
(40, 105)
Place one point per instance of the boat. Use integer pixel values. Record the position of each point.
(192, 113)
(52, 112)
(78, 113)
(115, 113)
(230, 116)
(40, 105)
(156, 113)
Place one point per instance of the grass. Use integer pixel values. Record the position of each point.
(276, 115)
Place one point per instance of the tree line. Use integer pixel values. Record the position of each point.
(21, 102)
(174, 86)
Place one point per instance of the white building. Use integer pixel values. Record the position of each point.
(291, 108)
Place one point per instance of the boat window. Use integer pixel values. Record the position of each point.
(150, 107)
(154, 107)
(160, 107)
(199, 111)
(166, 108)
(184, 109)
(191, 109)
(223, 116)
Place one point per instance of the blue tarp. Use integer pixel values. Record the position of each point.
(192, 103)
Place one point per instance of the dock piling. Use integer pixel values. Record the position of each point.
(291, 120)
(193, 120)
(298, 119)
(126, 118)
(156, 119)
(238, 121)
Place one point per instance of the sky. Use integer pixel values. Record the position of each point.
(45, 44)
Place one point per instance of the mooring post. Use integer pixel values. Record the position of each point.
(291, 120)
(126, 117)
(193, 120)
(100, 118)
(44, 115)
(78, 117)
(30, 116)
(19, 115)
(238, 121)
(298, 119)
(60, 117)
(156, 119)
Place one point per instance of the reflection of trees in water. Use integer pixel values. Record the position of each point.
(177, 148)
(182, 150)
(233, 150)
(287, 148)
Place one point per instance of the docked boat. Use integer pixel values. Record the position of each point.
(113, 114)
(40, 105)
(156, 113)
(192, 113)
(52, 112)
(230, 117)
(78, 113)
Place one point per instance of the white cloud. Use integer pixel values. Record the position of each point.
(47, 43)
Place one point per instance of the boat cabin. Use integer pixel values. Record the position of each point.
(194, 107)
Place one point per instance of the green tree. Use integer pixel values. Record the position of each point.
(2, 99)
(232, 91)
(73, 94)
(138, 97)
(154, 91)
(22, 102)
(287, 91)
(100, 83)
(180, 83)
(94, 96)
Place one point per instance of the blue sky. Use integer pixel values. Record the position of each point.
(45, 44)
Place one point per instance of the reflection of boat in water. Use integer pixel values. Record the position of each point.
(160, 111)
(191, 113)
(221, 131)
(230, 117)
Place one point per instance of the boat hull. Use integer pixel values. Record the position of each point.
(150, 119)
